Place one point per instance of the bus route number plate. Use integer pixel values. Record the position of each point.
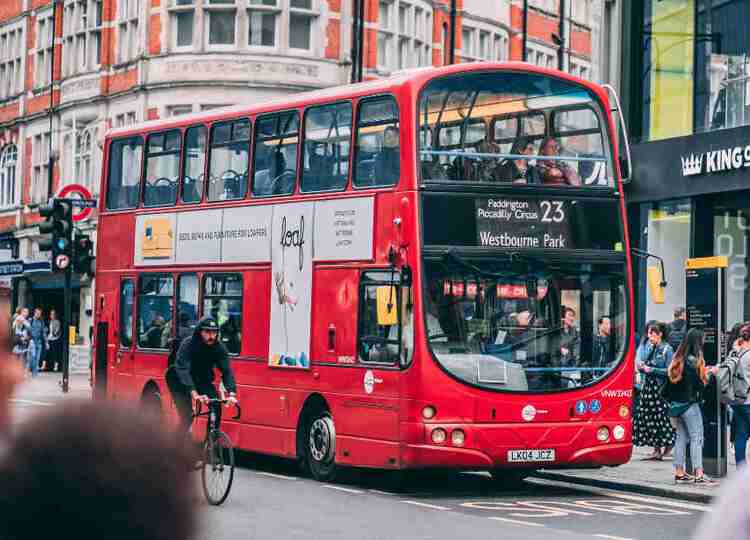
(531, 456)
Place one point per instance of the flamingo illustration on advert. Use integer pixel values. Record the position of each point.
(291, 286)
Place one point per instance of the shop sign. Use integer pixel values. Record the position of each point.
(715, 161)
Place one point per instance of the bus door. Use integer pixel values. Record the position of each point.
(122, 368)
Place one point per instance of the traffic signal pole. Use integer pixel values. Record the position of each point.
(67, 318)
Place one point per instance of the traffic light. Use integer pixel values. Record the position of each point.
(59, 224)
(83, 255)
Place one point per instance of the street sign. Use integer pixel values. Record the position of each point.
(83, 203)
(11, 268)
(83, 209)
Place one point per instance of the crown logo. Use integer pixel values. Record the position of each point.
(692, 165)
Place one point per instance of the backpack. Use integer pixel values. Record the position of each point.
(733, 386)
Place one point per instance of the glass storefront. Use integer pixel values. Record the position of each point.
(695, 68)
(668, 237)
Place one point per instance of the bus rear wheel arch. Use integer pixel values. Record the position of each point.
(151, 398)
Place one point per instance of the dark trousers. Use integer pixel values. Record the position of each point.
(742, 431)
(183, 402)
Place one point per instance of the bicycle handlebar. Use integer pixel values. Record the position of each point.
(221, 402)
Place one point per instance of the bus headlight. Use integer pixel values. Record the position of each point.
(458, 437)
(618, 433)
(429, 412)
(624, 411)
(602, 434)
(439, 435)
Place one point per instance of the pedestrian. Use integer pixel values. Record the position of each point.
(731, 347)
(96, 470)
(741, 411)
(687, 375)
(651, 425)
(16, 314)
(38, 331)
(20, 340)
(677, 328)
(54, 341)
(729, 518)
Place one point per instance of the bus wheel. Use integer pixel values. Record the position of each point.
(151, 400)
(509, 478)
(320, 447)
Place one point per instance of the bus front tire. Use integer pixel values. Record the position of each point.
(510, 478)
(320, 447)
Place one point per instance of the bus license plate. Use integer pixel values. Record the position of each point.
(530, 456)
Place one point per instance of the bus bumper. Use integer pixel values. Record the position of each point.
(488, 446)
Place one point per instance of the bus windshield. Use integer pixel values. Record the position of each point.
(543, 328)
(513, 127)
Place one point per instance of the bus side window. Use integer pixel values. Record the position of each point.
(222, 300)
(386, 329)
(162, 169)
(194, 162)
(377, 147)
(155, 308)
(127, 298)
(230, 157)
(187, 305)
(124, 178)
(325, 158)
(275, 155)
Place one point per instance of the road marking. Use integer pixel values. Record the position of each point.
(346, 490)
(381, 492)
(626, 496)
(32, 402)
(518, 522)
(426, 505)
(610, 537)
(278, 476)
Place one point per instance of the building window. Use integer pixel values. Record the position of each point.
(182, 13)
(468, 51)
(301, 20)
(8, 161)
(404, 36)
(577, 69)
(125, 119)
(212, 106)
(541, 56)
(82, 34)
(263, 19)
(178, 110)
(221, 22)
(43, 50)
(40, 164)
(78, 154)
(128, 42)
(11, 50)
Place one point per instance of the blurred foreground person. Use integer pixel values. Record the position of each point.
(11, 370)
(94, 470)
(729, 518)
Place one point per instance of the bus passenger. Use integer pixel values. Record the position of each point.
(230, 334)
(570, 339)
(555, 172)
(601, 355)
(519, 171)
(387, 166)
(152, 337)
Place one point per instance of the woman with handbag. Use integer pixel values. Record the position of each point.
(687, 375)
(651, 426)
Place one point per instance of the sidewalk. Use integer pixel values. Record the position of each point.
(643, 477)
(46, 389)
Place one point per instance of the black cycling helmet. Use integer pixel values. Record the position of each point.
(207, 323)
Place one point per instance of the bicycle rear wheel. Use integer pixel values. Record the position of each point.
(218, 467)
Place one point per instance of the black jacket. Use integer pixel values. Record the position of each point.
(677, 331)
(601, 355)
(196, 361)
(688, 389)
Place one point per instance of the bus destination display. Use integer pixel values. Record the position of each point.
(523, 223)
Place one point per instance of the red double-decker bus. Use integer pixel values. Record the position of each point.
(430, 270)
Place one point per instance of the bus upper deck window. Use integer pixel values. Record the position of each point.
(124, 176)
(378, 154)
(194, 163)
(325, 158)
(230, 158)
(275, 157)
(162, 169)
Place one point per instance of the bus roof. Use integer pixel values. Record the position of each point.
(416, 76)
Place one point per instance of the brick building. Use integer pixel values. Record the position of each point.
(118, 62)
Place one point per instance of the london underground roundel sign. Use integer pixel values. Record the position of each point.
(77, 191)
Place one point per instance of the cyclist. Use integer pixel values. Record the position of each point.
(191, 377)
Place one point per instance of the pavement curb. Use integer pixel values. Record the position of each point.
(639, 489)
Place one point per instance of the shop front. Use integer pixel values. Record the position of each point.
(690, 197)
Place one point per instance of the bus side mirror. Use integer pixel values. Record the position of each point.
(386, 299)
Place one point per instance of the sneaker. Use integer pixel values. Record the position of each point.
(705, 480)
(684, 479)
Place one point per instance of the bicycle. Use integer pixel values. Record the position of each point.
(217, 463)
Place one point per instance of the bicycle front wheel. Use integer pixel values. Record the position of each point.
(218, 467)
